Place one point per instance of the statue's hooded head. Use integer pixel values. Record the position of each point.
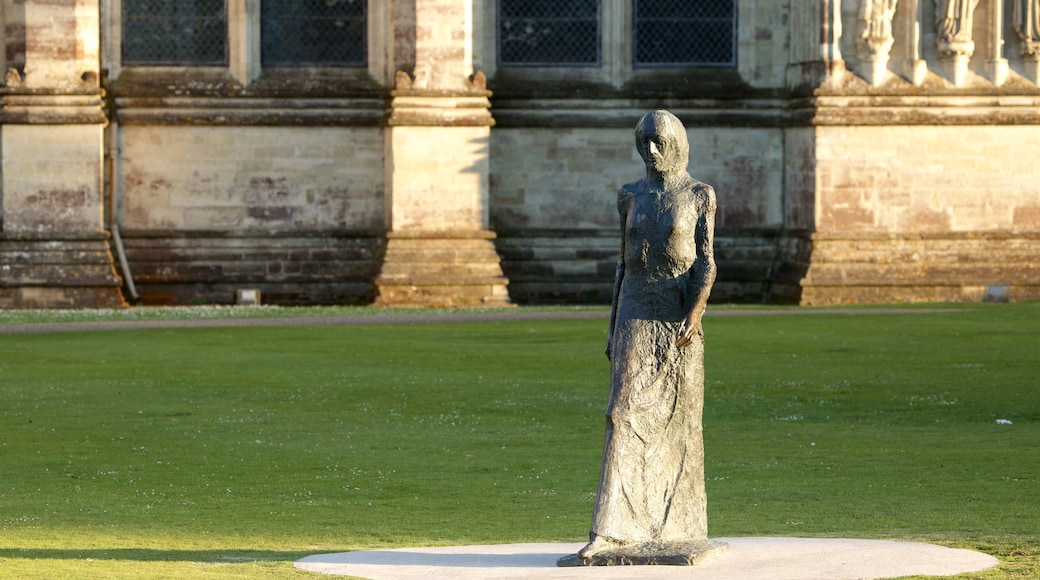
(662, 143)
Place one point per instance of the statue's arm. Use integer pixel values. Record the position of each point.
(619, 272)
(702, 274)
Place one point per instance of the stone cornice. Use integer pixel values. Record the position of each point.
(407, 108)
(923, 110)
(252, 233)
(823, 110)
(403, 108)
(418, 234)
(53, 236)
(39, 108)
(419, 108)
(975, 235)
(753, 112)
(249, 111)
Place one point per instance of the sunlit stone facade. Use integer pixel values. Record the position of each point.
(468, 152)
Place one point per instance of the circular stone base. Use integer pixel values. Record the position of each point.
(747, 559)
(683, 554)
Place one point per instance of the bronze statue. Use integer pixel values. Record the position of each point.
(651, 505)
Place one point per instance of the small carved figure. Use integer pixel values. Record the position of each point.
(876, 21)
(953, 22)
(651, 505)
(875, 38)
(1026, 19)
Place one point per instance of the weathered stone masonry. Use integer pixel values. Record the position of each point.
(53, 243)
(867, 150)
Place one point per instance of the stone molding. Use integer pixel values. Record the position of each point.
(250, 233)
(44, 108)
(174, 110)
(976, 235)
(837, 109)
(439, 111)
(618, 113)
(979, 108)
(924, 110)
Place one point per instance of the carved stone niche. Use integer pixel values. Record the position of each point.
(875, 38)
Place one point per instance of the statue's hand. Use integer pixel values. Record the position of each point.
(689, 328)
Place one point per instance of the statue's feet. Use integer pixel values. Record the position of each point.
(589, 555)
(603, 552)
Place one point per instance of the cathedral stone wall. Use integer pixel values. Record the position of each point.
(924, 213)
(861, 150)
(554, 194)
(917, 179)
(251, 178)
(296, 212)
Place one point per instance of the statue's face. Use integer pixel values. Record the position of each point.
(655, 152)
(661, 141)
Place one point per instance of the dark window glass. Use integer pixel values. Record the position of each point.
(685, 32)
(313, 33)
(548, 32)
(174, 32)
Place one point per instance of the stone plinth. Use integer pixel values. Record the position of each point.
(58, 272)
(441, 269)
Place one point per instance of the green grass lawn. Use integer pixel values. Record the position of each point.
(231, 452)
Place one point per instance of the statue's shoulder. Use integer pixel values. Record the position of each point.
(703, 194)
(629, 191)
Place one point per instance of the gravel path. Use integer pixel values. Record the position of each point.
(412, 317)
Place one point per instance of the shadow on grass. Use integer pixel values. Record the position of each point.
(147, 555)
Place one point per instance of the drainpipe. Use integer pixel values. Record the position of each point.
(115, 197)
(771, 271)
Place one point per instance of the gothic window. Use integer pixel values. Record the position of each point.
(549, 32)
(313, 33)
(185, 32)
(684, 33)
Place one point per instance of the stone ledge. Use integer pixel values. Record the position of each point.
(235, 111)
(52, 109)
